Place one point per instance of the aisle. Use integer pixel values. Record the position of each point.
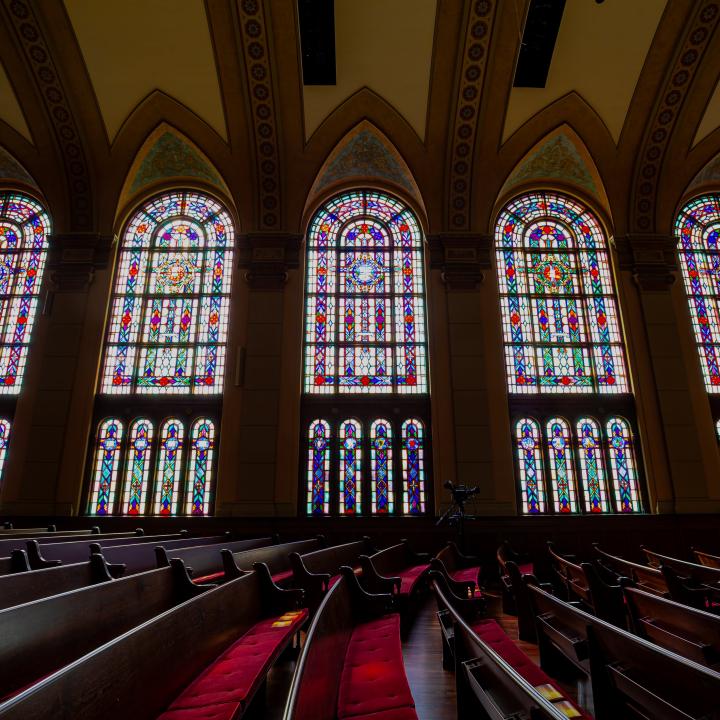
(432, 687)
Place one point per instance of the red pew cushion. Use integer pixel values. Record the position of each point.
(227, 683)
(403, 713)
(409, 578)
(209, 578)
(527, 569)
(373, 678)
(466, 574)
(281, 577)
(494, 636)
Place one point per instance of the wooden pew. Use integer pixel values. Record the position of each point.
(47, 555)
(315, 572)
(397, 569)
(138, 557)
(336, 677)
(462, 572)
(495, 680)
(42, 636)
(505, 553)
(707, 559)
(276, 557)
(16, 562)
(18, 542)
(633, 678)
(692, 633)
(646, 578)
(24, 587)
(701, 574)
(141, 673)
(571, 577)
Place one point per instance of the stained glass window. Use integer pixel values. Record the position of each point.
(318, 469)
(169, 466)
(202, 448)
(381, 465)
(350, 467)
(107, 460)
(562, 472)
(365, 312)
(169, 311)
(529, 452)
(413, 467)
(717, 429)
(622, 465)
(24, 229)
(4, 440)
(592, 466)
(698, 231)
(560, 319)
(137, 467)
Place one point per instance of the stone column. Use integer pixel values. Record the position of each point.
(254, 486)
(483, 453)
(45, 472)
(690, 449)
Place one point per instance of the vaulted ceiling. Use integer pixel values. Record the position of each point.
(424, 97)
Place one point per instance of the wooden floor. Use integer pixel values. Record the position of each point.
(432, 687)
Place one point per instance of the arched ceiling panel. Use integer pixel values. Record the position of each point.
(10, 110)
(122, 39)
(599, 53)
(386, 46)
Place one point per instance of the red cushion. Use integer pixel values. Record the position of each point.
(281, 577)
(403, 713)
(209, 578)
(466, 574)
(410, 577)
(238, 672)
(526, 569)
(221, 711)
(373, 678)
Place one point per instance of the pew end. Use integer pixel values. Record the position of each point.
(184, 584)
(19, 561)
(277, 598)
(37, 561)
(373, 581)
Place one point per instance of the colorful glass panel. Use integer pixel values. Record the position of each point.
(350, 467)
(364, 312)
(105, 472)
(169, 467)
(560, 321)
(562, 470)
(698, 230)
(717, 429)
(381, 468)
(318, 470)
(169, 311)
(24, 230)
(592, 465)
(200, 467)
(623, 466)
(413, 467)
(4, 440)
(529, 453)
(137, 467)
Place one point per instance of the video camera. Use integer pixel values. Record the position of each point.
(460, 493)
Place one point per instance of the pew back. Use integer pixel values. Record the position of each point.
(707, 559)
(276, 557)
(140, 673)
(19, 542)
(649, 579)
(699, 573)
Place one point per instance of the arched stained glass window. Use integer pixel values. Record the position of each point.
(698, 231)
(560, 318)
(562, 471)
(169, 467)
(350, 467)
(199, 477)
(4, 440)
(717, 429)
(24, 229)
(169, 313)
(318, 470)
(622, 465)
(365, 312)
(592, 467)
(105, 474)
(137, 467)
(413, 467)
(529, 452)
(382, 491)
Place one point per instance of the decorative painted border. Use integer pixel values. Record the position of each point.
(259, 79)
(477, 39)
(50, 88)
(679, 80)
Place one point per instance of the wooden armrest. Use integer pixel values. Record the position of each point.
(369, 604)
(375, 582)
(277, 598)
(462, 588)
(304, 576)
(232, 571)
(184, 585)
(37, 561)
(467, 560)
(19, 561)
(102, 571)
